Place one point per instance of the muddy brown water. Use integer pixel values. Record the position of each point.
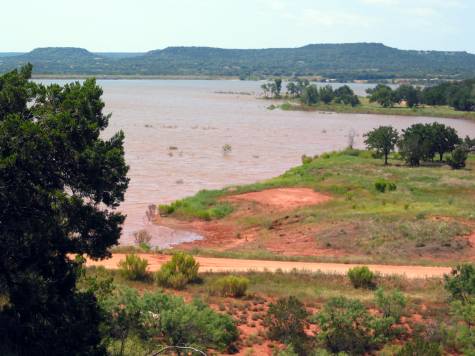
(175, 132)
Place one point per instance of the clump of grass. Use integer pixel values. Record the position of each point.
(230, 286)
(361, 277)
(382, 186)
(133, 268)
(177, 273)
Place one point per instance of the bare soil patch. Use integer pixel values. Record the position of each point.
(283, 198)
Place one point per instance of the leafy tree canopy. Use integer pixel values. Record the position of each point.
(59, 184)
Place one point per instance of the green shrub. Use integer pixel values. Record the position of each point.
(391, 304)
(133, 267)
(230, 286)
(158, 316)
(458, 157)
(461, 282)
(361, 277)
(420, 347)
(306, 159)
(193, 323)
(178, 272)
(286, 320)
(346, 326)
(382, 186)
(460, 335)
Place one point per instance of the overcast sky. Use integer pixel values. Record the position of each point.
(142, 25)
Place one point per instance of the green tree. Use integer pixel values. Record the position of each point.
(277, 87)
(462, 97)
(123, 311)
(417, 144)
(59, 185)
(326, 94)
(383, 95)
(292, 89)
(412, 96)
(345, 95)
(265, 88)
(444, 139)
(310, 95)
(382, 140)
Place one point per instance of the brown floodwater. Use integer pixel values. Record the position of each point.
(175, 132)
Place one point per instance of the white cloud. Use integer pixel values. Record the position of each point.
(332, 18)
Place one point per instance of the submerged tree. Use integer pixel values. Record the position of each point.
(59, 185)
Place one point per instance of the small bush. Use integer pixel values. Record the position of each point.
(227, 149)
(382, 186)
(286, 320)
(458, 158)
(158, 316)
(391, 304)
(230, 286)
(361, 277)
(461, 282)
(133, 267)
(420, 347)
(177, 273)
(346, 326)
(142, 237)
(306, 159)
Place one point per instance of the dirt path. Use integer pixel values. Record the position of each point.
(208, 264)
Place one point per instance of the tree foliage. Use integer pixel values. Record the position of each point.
(383, 95)
(59, 184)
(383, 140)
(287, 319)
(420, 142)
(346, 326)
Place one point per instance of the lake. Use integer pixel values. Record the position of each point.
(176, 129)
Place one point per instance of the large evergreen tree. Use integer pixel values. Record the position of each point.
(60, 182)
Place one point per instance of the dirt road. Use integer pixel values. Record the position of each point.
(208, 264)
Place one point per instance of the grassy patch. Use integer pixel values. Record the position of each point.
(204, 205)
(426, 216)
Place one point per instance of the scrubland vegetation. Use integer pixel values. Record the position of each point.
(296, 313)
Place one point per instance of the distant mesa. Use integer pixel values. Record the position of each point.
(345, 61)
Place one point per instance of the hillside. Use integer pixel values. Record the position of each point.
(339, 61)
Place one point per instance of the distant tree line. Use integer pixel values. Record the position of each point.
(459, 95)
(420, 142)
(310, 94)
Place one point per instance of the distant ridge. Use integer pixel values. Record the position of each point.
(346, 61)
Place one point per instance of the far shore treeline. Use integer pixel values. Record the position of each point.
(457, 95)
